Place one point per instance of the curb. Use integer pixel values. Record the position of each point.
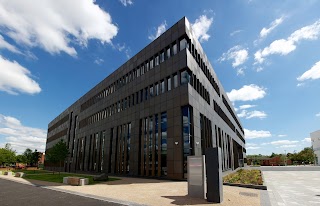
(258, 187)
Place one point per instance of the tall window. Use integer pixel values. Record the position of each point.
(162, 57)
(156, 61)
(175, 80)
(185, 77)
(156, 88)
(150, 144)
(174, 49)
(183, 44)
(156, 145)
(169, 83)
(102, 150)
(168, 53)
(164, 144)
(162, 88)
(128, 148)
(151, 91)
(151, 63)
(187, 134)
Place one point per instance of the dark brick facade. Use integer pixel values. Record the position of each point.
(162, 105)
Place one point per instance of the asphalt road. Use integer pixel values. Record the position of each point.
(13, 193)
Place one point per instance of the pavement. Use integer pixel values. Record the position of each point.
(128, 191)
(292, 185)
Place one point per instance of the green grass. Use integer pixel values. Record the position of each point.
(49, 177)
(251, 177)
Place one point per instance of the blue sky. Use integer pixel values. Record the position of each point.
(266, 55)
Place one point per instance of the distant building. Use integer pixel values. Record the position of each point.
(144, 119)
(267, 161)
(315, 140)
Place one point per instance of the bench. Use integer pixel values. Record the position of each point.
(75, 181)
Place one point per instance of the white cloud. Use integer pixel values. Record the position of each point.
(21, 137)
(256, 114)
(318, 115)
(247, 93)
(252, 114)
(240, 71)
(254, 134)
(265, 31)
(98, 61)
(6, 45)
(285, 46)
(252, 148)
(282, 135)
(161, 28)
(243, 113)
(201, 27)
(313, 73)
(288, 146)
(15, 78)
(247, 106)
(235, 32)
(237, 54)
(126, 2)
(300, 84)
(308, 140)
(54, 25)
(284, 142)
(259, 69)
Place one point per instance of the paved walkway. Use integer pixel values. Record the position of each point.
(130, 191)
(292, 185)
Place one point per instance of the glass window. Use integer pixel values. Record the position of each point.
(151, 63)
(164, 144)
(174, 49)
(156, 87)
(187, 134)
(162, 57)
(169, 83)
(185, 77)
(156, 61)
(168, 53)
(183, 44)
(151, 91)
(142, 70)
(162, 87)
(175, 80)
(147, 66)
(146, 93)
(141, 95)
(138, 72)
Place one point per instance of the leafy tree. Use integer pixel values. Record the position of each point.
(28, 155)
(273, 155)
(21, 159)
(7, 155)
(58, 153)
(35, 158)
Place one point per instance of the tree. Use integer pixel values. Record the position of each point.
(21, 159)
(58, 153)
(35, 158)
(7, 155)
(28, 155)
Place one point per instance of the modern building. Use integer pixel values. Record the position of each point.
(315, 140)
(145, 118)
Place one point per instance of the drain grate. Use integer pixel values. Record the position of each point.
(249, 194)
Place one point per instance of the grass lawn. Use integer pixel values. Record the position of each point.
(250, 177)
(49, 177)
